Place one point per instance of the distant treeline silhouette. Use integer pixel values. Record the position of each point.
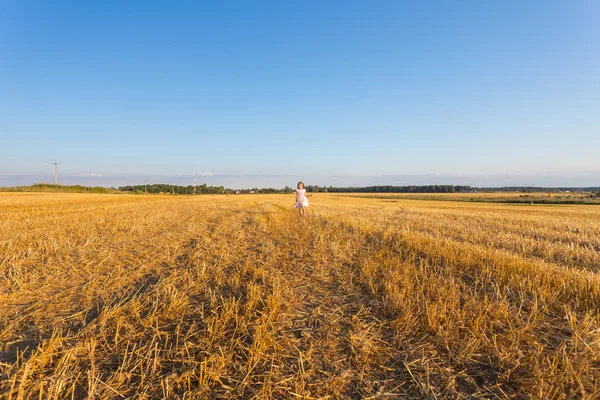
(204, 189)
(447, 189)
(393, 189)
(177, 189)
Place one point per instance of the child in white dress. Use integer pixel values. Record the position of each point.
(301, 199)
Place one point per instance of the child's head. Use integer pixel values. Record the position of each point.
(300, 185)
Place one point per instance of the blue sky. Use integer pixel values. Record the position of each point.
(331, 92)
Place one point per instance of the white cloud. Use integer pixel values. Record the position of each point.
(91, 174)
(200, 174)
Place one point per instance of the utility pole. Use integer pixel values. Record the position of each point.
(194, 183)
(145, 190)
(55, 171)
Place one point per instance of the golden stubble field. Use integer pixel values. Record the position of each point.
(118, 296)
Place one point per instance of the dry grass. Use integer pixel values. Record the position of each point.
(105, 296)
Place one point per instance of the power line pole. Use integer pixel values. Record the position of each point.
(194, 183)
(55, 171)
(145, 190)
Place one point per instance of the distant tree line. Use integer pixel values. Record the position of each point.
(392, 189)
(176, 189)
(204, 189)
(286, 189)
(594, 191)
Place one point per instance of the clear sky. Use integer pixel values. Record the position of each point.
(265, 93)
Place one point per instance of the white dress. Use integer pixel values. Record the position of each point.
(302, 200)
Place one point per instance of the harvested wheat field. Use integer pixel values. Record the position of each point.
(124, 296)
